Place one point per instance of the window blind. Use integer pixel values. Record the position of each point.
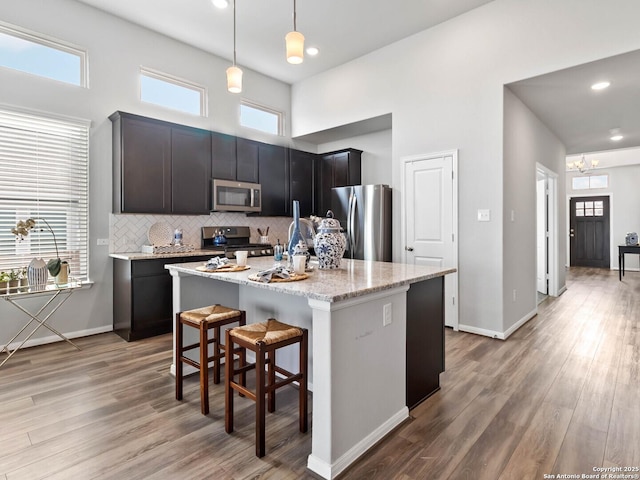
(44, 163)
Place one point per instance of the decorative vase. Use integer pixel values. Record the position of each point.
(329, 243)
(296, 235)
(63, 276)
(37, 273)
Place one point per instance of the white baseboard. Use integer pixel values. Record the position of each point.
(481, 331)
(34, 342)
(519, 323)
(494, 333)
(331, 471)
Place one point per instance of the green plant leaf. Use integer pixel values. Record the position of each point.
(53, 266)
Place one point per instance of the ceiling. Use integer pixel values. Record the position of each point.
(345, 30)
(342, 29)
(581, 117)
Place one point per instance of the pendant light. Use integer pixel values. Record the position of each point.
(234, 74)
(294, 42)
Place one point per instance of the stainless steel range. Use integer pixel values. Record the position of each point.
(227, 240)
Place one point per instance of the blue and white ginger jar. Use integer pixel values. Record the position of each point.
(329, 243)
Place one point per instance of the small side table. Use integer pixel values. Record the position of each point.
(58, 295)
(622, 249)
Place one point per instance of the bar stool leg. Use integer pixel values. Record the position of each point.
(204, 369)
(229, 374)
(271, 394)
(216, 355)
(260, 400)
(179, 354)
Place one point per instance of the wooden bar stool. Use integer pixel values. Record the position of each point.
(264, 339)
(205, 319)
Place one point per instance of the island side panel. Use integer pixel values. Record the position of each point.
(359, 377)
(425, 339)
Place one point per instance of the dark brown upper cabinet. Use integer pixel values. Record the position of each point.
(273, 173)
(247, 152)
(159, 167)
(142, 165)
(190, 171)
(301, 180)
(223, 156)
(335, 169)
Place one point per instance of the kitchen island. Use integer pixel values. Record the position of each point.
(362, 319)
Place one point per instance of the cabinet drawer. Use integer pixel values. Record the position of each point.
(145, 268)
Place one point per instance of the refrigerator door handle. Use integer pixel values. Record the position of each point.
(353, 241)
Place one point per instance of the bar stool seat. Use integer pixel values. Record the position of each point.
(204, 319)
(264, 339)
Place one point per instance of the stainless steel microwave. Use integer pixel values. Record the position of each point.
(231, 196)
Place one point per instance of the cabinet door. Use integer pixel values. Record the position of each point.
(324, 184)
(274, 179)
(247, 160)
(341, 169)
(145, 167)
(190, 171)
(152, 303)
(223, 156)
(301, 178)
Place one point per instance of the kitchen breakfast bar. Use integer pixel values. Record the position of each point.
(376, 342)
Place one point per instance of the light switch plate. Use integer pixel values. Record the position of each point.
(102, 241)
(484, 215)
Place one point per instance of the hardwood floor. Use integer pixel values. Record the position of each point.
(560, 396)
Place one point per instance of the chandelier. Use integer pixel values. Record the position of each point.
(582, 165)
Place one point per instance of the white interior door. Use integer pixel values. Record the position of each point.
(541, 236)
(430, 219)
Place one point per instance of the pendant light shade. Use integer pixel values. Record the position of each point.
(234, 79)
(294, 42)
(234, 74)
(295, 47)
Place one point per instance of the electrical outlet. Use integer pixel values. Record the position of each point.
(387, 314)
(484, 215)
(515, 296)
(103, 241)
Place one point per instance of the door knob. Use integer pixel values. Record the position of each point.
(409, 249)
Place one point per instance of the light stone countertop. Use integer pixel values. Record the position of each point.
(152, 256)
(355, 277)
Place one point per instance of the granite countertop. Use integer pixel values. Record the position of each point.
(152, 256)
(355, 277)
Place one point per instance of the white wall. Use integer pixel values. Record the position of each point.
(117, 49)
(527, 141)
(624, 207)
(444, 88)
(376, 155)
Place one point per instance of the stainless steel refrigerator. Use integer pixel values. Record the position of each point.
(364, 212)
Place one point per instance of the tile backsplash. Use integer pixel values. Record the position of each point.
(128, 232)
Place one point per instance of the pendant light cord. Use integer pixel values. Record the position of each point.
(234, 33)
(294, 16)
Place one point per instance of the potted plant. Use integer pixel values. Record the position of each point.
(4, 281)
(22, 278)
(14, 276)
(23, 228)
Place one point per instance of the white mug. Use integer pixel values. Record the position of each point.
(299, 262)
(241, 257)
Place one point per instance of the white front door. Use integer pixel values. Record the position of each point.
(431, 219)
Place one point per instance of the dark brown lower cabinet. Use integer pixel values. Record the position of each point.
(142, 296)
(425, 339)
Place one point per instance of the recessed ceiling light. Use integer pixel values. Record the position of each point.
(600, 85)
(313, 51)
(616, 138)
(220, 3)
